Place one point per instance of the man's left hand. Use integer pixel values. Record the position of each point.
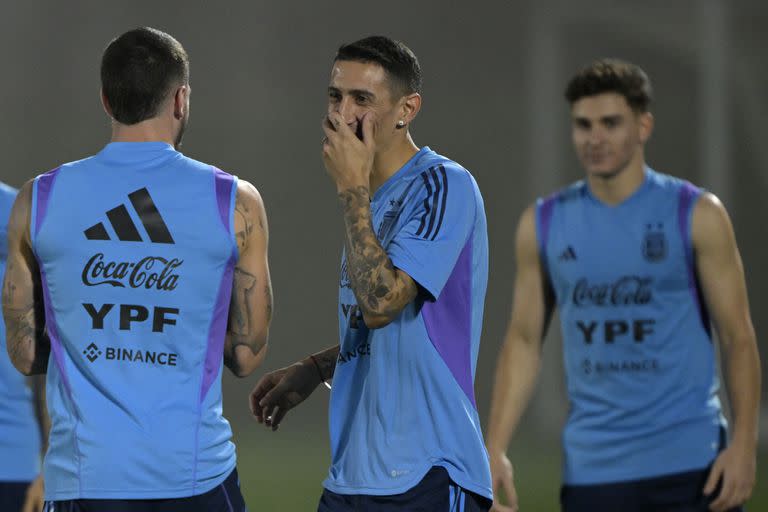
(35, 496)
(736, 467)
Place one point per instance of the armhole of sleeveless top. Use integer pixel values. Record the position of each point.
(39, 204)
(232, 204)
(33, 215)
(544, 211)
(225, 205)
(688, 197)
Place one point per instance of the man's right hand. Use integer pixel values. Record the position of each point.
(502, 477)
(281, 390)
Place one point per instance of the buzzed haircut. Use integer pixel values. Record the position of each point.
(139, 69)
(612, 75)
(398, 61)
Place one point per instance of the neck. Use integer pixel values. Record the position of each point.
(151, 130)
(388, 161)
(614, 188)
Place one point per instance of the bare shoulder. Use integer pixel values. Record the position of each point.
(526, 239)
(247, 192)
(24, 195)
(250, 215)
(710, 221)
(21, 210)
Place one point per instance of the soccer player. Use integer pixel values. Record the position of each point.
(404, 428)
(636, 262)
(138, 270)
(23, 421)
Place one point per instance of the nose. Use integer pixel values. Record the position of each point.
(595, 137)
(346, 107)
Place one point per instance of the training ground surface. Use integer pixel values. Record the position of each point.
(283, 471)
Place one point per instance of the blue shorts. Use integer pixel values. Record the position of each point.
(225, 497)
(435, 492)
(680, 492)
(12, 495)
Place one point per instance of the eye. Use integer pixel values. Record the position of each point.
(611, 122)
(361, 100)
(334, 97)
(581, 124)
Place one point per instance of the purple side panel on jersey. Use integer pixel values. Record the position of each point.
(44, 187)
(688, 194)
(449, 325)
(53, 332)
(218, 330)
(223, 185)
(213, 356)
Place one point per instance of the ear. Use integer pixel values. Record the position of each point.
(105, 104)
(411, 104)
(181, 101)
(646, 126)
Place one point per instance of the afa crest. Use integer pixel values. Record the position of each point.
(654, 243)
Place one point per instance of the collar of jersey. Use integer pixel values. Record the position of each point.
(645, 185)
(403, 171)
(136, 148)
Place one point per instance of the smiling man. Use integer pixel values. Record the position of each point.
(637, 262)
(404, 428)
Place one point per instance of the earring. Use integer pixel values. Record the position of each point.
(400, 123)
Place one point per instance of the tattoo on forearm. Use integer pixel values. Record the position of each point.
(372, 275)
(26, 337)
(242, 301)
(240, 329)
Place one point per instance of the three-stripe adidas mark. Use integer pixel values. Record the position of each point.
(568, 254)
(124, 227)
(434, 204)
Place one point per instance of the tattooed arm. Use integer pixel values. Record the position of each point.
(23, 309)
(382, 291)
(250, 310)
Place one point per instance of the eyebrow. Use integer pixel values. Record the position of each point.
(603, 119)
(613, 117)
(354, 92)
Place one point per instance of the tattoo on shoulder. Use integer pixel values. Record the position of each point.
(242, 211)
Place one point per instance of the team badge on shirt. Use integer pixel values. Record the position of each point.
(654, 243)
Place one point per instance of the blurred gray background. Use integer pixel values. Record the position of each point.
(493, 80)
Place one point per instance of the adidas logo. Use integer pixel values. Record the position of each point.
(124, 227)
(567, 255)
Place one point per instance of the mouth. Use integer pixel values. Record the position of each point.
(359, 130)
(596, 158)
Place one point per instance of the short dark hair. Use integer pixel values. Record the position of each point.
(138, 71)
(612, 75)
(398, 61)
